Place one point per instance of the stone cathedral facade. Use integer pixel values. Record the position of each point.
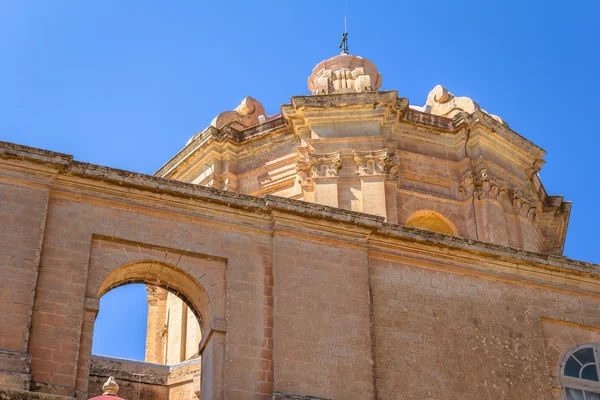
(353, 246)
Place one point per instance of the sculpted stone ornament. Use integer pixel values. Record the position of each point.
(244, 116)
(393, 170)
(110, 387)
(370, 162)
(488, 186)
(316, 165)
(344, 74)
(524, 206)
(466, 185)
(110, 390)
(443, 103)
(482, 185)
(377, 162)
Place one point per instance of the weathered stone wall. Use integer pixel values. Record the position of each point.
(294, 298)
(441, 333)
(141, 380)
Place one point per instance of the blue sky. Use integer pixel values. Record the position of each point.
(126, 83)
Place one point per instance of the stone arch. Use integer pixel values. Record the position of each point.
(431, 221)
(165, 276)
(199, 280)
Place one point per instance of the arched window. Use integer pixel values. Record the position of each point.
(579, 373)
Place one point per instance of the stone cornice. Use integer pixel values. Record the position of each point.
(430, 120)
(12, 150)
(345, 99)
(122, 180)
(220, 135)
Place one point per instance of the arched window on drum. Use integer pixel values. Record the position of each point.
(579, 372)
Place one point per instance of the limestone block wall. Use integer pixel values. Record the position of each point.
(23, 209)
(295, 298)
(322, 342)
(441, 333)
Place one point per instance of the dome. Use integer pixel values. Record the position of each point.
(344, 74)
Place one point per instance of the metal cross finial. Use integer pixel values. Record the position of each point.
(344, 43)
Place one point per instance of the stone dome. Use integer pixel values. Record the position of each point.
(344, 74)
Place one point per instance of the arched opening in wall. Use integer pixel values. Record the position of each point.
(146, 323)
(164, 308)
(431, 221)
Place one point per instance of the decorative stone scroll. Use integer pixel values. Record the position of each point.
(481, 185)
(524, 206)
(376, 162)
(443, 103)
(317, 165)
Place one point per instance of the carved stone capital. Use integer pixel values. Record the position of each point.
(524, 206)
(481, 185)
(370, 162)
(318, 165)
(466, 185)
(487, 185)
(392, 168)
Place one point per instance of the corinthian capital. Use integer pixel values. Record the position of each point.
(318, 165)
(371, 162)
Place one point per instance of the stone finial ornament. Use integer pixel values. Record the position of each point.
(344, 74)
(110, 387)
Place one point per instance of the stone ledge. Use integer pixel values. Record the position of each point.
(129, 370)
(12, 150)
(12, 394)
(282, 396)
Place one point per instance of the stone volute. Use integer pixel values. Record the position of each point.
(344, 74)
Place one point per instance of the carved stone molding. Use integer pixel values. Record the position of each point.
(377, 162)
(489, 186)
(316, 165)
(535, 167)
(482, 185)
(524, 206)
(466, 185)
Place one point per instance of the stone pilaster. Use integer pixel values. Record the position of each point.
(320, 171)
(373, 169)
